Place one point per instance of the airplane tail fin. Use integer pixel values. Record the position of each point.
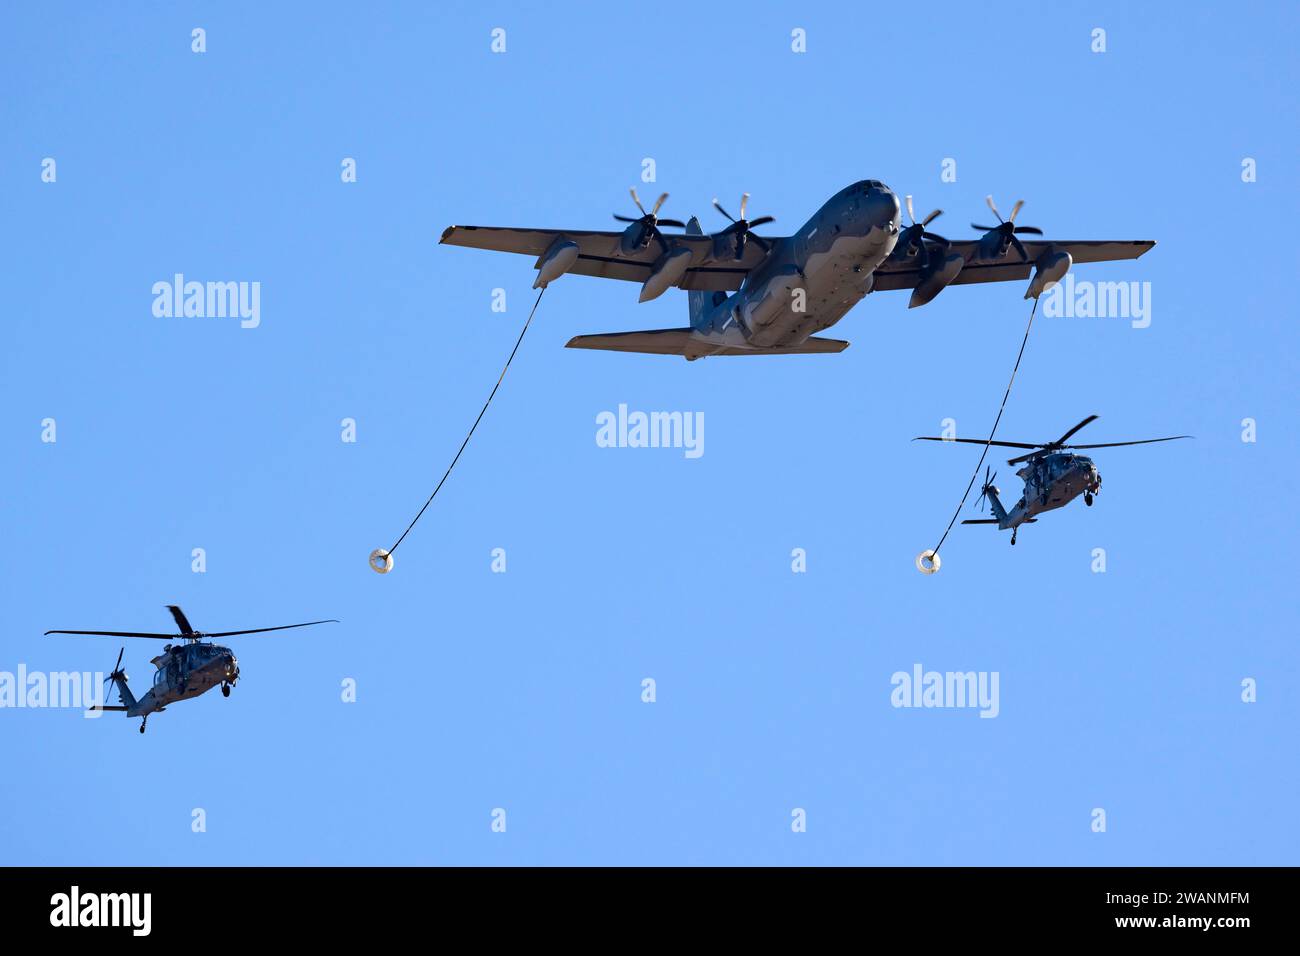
(701, 303)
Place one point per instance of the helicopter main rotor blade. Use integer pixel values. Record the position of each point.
(979, 441)
(164, 637)
(261, 630)
(181, 620)
(1066, 437)
(1144, 441)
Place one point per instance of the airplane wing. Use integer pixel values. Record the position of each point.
(598, 254)
(895, 274)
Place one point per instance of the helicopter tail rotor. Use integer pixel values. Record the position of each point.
(114, 676)
(988, 487)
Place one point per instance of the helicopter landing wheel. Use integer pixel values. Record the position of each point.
(1087, 499)
(225, 690)
(1013, 539)
(143, 724)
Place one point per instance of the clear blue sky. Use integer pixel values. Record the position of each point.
(522, 690)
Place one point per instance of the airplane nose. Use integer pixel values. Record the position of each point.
(883, 208)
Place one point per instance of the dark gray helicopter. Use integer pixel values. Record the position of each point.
(183, 670)
(1053, 478)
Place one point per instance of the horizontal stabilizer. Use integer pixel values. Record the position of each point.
(980, 521)
(685, 342)
(107, 707)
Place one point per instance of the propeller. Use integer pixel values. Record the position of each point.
(911, 241)
(740, 228)
(650, 221)
(1006, 230)
(988, 486)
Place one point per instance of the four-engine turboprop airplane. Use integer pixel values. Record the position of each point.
(183, 670)
(786, 289)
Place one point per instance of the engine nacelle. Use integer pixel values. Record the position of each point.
(1051, 269)
(937, 278)
(667, 272)
(555, 261)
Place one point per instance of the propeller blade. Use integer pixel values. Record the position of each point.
(935, 237)
(1117, 444)
(658, 202)
(1066, 437)
(978, 441)
(1028, 230)
(910, 215)
(744, 201)
(983, 228)
(718, 206)
(165, 637)
(762, 243)
(261, 630)
(625, 218)
(989, 199)
(1015, 210)
(762, 221)
(672, 222)
(932, 217)
(636, 199)
(1020, 248)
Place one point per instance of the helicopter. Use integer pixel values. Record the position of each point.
(184, 670)
(1053, 477)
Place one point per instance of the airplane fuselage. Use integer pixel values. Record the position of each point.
(810, 280)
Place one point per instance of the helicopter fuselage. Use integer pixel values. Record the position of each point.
(1051, 482)
(185, 671)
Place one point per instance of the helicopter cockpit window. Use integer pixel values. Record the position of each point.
(158, 675)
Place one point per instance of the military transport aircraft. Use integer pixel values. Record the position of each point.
(786, 289)
(183, 670)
